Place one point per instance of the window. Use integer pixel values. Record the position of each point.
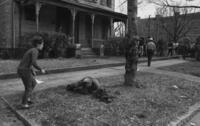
(93, 1)
(106, 3)
(109, 3)
(29, 13)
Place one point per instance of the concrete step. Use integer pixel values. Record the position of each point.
(86, 49)
(87, 52)
(89, 56)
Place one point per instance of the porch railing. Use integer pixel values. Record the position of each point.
(97, 42)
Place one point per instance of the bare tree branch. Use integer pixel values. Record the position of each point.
(168, 3)
(183, 6)
(176, 25)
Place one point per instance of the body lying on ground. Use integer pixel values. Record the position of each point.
(89, 85)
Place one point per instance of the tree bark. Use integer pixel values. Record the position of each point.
(131, 50)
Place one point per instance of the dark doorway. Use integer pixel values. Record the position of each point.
(64, 19)
(88, 30)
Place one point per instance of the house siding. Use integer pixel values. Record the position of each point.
(10, 33)
(99, 3)
(6, 23)
(46, 21)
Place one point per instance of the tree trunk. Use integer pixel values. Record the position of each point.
(131, 51)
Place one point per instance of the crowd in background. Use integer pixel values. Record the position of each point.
(161, 47)
(184, 47)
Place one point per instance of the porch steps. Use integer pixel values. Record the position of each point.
(87, 53)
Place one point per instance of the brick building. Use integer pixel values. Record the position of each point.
(88, 22)
(153, 27)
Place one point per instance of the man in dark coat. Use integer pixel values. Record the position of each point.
(151, 47)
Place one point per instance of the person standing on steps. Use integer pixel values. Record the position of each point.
(26, 72)
(151, 47)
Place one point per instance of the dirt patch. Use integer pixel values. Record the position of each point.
(156, 104)
(192, 68)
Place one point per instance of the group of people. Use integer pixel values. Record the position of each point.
(172, 48)
(142, 47)
(148, 47)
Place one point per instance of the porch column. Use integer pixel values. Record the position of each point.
(126, 26)
(20, 22)
(73, 12)
(37, 9)
(13, 24)
(111, 28)
(92, 35)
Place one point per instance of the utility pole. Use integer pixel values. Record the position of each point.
(149, 25)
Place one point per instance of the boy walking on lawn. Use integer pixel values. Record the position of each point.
(26, 72)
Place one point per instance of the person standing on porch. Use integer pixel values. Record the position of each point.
(26, 72)
(151, 47)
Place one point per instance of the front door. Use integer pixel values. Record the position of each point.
(83, 29)
(63, 23)
(88, 30)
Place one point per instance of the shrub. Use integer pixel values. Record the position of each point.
(197, 49)
(6, 54)
(55, 44)
(10, 53)
(115, 46)
(184, 46)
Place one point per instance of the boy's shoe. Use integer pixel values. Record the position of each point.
(25, 106)
(39, 82)
(30, 102)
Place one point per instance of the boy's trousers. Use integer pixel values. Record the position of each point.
(29, 83)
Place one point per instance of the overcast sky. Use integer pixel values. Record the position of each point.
(146, 9)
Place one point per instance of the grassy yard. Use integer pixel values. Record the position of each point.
(191, 67)
(154, 105)
(8, 66)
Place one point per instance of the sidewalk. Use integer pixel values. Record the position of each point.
(195, 120)
(8, 67)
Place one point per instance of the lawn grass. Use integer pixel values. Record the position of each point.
(156, 104)
(190, 67)
(9, 66)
